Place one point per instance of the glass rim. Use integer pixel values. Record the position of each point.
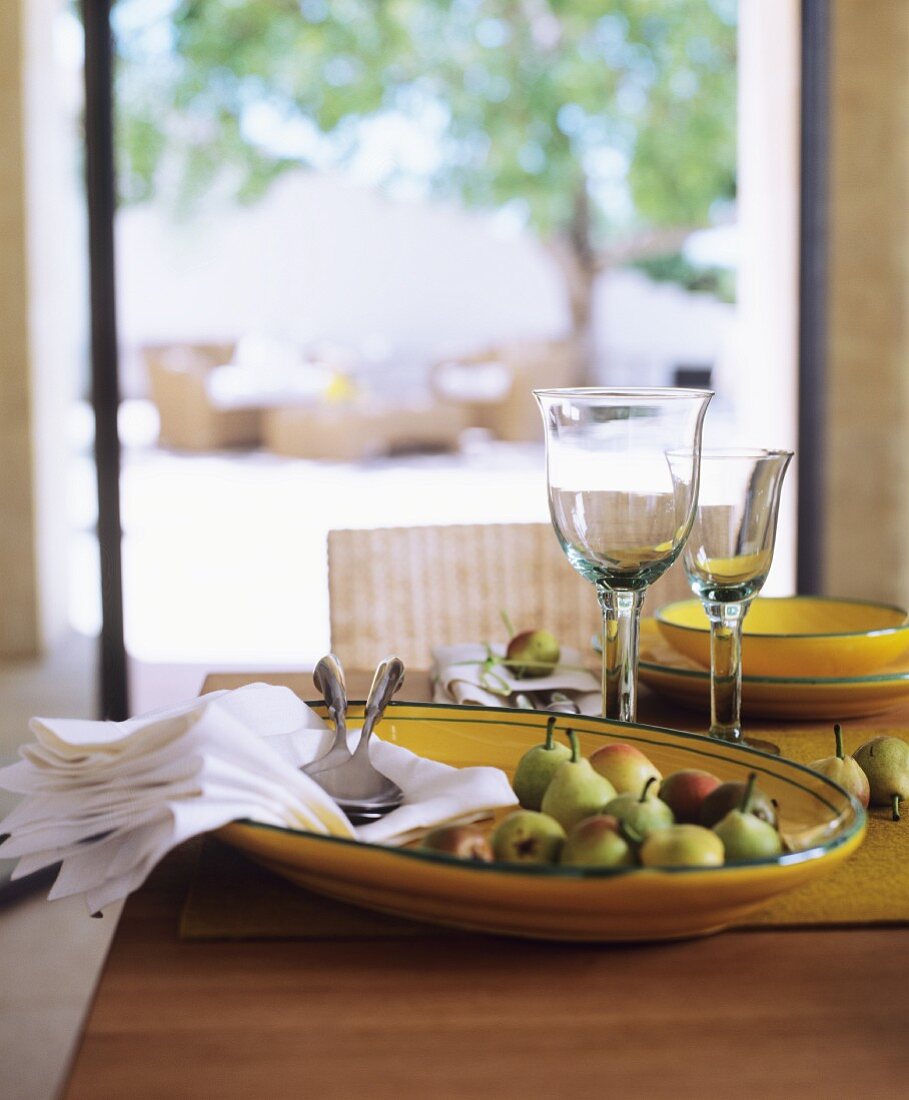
(629, 393)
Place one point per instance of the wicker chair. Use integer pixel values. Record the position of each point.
(189, 420)
(408, 589)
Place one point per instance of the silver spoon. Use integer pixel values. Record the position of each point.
(361, 791)
(328, 676)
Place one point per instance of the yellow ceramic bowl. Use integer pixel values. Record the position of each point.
(797, 636)
(821, 823)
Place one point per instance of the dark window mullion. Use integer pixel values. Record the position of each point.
(101, 199)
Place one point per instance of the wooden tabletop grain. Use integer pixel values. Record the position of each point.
(751, 1014)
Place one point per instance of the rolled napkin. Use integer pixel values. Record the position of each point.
(465, 674)
(108, 800)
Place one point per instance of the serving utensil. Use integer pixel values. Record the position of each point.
(359, 788)
(328, 677)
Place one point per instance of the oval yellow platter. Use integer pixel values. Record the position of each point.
(803, 636)
(817, 818)
(802, 698)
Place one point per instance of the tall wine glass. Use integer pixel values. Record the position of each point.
(622, 472)
(727, 559)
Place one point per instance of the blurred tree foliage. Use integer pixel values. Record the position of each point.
(608, 126)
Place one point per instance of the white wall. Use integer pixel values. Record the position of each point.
(321, 258)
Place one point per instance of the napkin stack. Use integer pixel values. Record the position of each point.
(109, 799)
(464, 674)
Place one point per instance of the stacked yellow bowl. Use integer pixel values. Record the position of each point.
(798, 636)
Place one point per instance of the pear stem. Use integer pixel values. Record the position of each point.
(575, 746)
(507, 621)
(838, 734)
(550, 733)
(896, 807)
(651, 779)
(749, 791)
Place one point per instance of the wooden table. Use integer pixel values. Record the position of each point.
(762, 1014)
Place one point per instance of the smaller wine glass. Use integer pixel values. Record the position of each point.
(727, 558)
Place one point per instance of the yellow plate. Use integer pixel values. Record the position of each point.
(551, 902)
(805, 636)
(784, 697)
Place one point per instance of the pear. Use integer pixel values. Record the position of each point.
(463, 841)
(532, 653)
(526, 836)
(682, 846)
(536, 768)
(728, 796)
(596, 842)
(575, 791)
(885, 761)
(625, 766)
(844, 770)
(684, 792)
(641, 814)
(745, 836)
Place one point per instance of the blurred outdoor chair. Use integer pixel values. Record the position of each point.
(177, 377)
(353, 431)
(494, 386)
(409, 589)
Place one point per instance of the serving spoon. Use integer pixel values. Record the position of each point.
(328, 677)
(359, 788)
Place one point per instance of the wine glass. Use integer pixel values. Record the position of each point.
(727, 559)
(622, 474)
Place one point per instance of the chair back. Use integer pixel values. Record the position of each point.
(408, 589)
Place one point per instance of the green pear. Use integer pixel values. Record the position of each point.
(536, 768)
(885, 761)
(745, 836)
(463, 841)
(532, 653)
(596, 842)
(641, 814)
(575, 791)
(728, 796)
(625, 766)
(682, 846)
(526, 836)
(844, 770)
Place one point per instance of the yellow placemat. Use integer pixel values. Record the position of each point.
(232, 898)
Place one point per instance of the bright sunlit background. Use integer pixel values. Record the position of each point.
(386, 215)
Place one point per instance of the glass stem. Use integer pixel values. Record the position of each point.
(726, 668)
(621, 623)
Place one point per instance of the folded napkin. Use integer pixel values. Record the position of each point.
(467, 675)
(108, 800)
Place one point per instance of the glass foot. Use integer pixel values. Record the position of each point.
(750, 743)
(763, 746)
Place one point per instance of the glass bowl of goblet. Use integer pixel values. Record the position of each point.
(622, 475)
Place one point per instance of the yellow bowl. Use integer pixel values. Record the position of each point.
(803, 636)
(820, 821)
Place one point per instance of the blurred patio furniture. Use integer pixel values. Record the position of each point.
(692, 376)
(349, 431)
(493, 385)
(410, 589)
(179, 380)
(265, 393)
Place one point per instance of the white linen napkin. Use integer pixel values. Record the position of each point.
(109, 799)
(462, 674)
